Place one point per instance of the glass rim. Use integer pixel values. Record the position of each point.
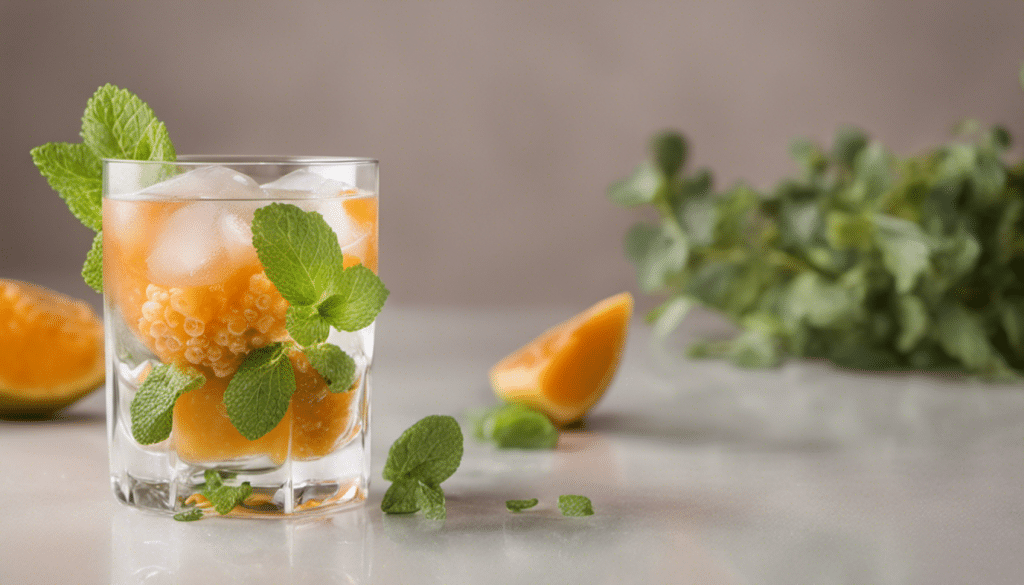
(197, 160)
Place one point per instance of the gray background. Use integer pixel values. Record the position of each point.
(498, 125)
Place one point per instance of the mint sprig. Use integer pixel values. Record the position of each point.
(302, 258)
(116, 124)
(425, 455)
(152, 408)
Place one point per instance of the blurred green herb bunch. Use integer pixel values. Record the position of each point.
(864, 258)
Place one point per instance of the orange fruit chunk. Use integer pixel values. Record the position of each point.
(316, 421)
(51, 350)
(566, 370)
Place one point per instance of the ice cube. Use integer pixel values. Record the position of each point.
(212, 182)
(307, 183)
(200, 245)
(348, 231)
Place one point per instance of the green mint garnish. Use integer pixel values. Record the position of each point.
(223, 497)
(425, 455)
(430, 499)
(516, 426)
(401, 498)
(76, 174)
(189, 515)
(152, 407)
(299, 251)
(520, 505)
(92, 270)
(305, 325)
(258, 394)
(575, 505)
(302, 258)
(336, 366)
(116, 124)
(360, 294)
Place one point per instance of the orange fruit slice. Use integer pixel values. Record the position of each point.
(566, 370)
(51, 350)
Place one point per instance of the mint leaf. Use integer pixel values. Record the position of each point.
(92, 271)
(520, 505)
(401, 498)
(337, 368)
(963, 336)
(913, 318)
(117, 124)
(299, 251)
(74, 172)
(258, 394)
(189, 515)
(224, 498)
(430, 499)
(426, 454)
(641, 187)
(517, 426)
(153, 405)
(575, 505)
(305, 325)
(669, 150)
(359, 297)
(429, 451)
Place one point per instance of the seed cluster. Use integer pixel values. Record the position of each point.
(213, 326)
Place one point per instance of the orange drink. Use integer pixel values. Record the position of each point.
(184, 286)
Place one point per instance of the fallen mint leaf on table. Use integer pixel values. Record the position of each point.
(425, 455)
(189, 515)
(520, 505)
(516, 426)
(571, 505)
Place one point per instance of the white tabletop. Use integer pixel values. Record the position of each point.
(699, 472)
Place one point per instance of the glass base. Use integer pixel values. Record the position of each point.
(266, 501)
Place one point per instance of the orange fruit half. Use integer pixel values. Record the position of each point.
(51, 350)
(566, 370)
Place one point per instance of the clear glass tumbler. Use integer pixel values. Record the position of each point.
(183, 285)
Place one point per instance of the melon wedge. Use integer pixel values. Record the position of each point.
(566, 370)
(51, 350)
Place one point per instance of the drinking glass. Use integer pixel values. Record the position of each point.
(183, 285)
